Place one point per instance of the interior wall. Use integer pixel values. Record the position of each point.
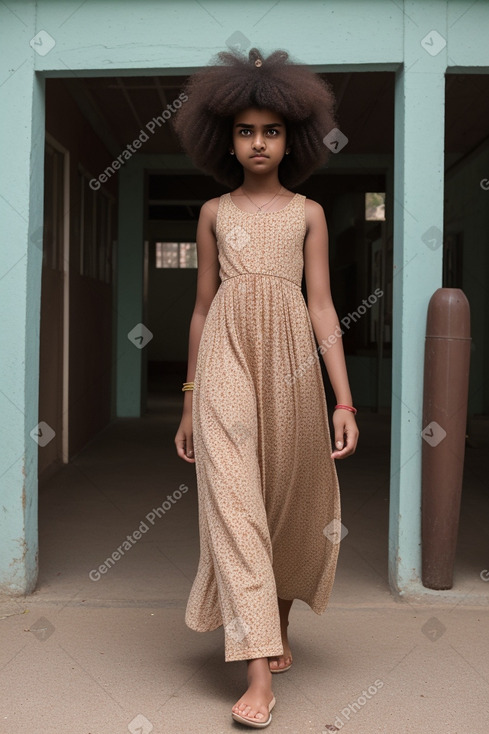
(467, 212)
(350, 286)
(90, 318)
(171, 296)
(51, 367)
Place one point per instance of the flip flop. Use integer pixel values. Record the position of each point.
(280, 670)
(253, 722)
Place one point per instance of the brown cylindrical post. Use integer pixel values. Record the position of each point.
(446, 386)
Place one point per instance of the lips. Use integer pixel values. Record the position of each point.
(259, 156)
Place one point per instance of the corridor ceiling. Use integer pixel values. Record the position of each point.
(119, 107)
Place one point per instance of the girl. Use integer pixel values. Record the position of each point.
(254, 417)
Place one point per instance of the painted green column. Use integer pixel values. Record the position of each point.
(132, 334)
(418, 257)
(21, 205)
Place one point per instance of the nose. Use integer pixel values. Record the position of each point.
(258, 141)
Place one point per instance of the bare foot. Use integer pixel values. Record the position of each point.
(278, 662)
(254, 703)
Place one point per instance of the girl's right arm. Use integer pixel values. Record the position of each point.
(207, 285)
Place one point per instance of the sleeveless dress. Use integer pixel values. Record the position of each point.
(268, 494)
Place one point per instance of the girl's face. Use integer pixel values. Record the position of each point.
(259, 139)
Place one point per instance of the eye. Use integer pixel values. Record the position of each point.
(273, 130)
(244, 130)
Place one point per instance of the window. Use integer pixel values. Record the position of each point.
(176, 255)
(104, 234)
(95, 231)
(53, 208)
(375, 207)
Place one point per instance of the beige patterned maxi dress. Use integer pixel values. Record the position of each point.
(269, 504)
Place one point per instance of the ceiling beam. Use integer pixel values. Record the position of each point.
(129, 102)
(92, 112)
(161, 91)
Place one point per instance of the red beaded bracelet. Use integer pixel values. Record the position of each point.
(346, 407)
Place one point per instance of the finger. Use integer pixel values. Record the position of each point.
(339, 439)
(352, 440)
(348, 448)
(182, 452)
(347, 451)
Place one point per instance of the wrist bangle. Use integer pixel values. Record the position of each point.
(346, 407)
(187, 386)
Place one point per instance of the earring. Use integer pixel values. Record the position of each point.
(287, 152)
(231, 152)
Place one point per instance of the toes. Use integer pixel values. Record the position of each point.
(283, 661)
(248, 711)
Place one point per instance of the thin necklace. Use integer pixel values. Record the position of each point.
(267, 202)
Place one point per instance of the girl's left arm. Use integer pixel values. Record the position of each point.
(326, 326)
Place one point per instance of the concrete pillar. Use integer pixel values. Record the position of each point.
(21, 205)
(418, 257)
(132, 334)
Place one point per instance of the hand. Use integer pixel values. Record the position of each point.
(345, 433)
(184, 439)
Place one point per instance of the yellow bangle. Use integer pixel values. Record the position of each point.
(187, 386)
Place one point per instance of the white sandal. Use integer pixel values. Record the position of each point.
(253, 722)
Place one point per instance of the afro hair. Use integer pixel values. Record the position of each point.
(219, 92)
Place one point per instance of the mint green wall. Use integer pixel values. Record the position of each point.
(21, 201)
(419, 116)
(108, 38)
(130, 258)
(131, 361)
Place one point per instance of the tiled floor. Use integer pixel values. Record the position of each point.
(108, 653)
